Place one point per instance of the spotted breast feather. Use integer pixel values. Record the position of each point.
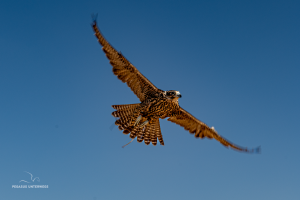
(141, 120)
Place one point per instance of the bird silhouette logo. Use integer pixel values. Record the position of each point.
(31, 178)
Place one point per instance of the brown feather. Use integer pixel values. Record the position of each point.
(147, 133)
(158, 133)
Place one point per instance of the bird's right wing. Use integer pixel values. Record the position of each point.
(125, 71)
(200, 129)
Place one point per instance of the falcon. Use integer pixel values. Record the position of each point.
(141, 120)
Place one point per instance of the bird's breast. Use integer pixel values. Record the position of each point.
(161, 108)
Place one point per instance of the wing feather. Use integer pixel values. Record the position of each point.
(193, 125)
(125, 71)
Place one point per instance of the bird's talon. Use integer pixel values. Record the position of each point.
(144, 124)
(137, 121)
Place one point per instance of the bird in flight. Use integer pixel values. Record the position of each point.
(141, 120)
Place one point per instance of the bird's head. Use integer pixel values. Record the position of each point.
(173, 94)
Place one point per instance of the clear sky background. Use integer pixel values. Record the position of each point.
(236, 64)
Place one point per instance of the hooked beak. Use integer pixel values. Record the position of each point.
(178, 94)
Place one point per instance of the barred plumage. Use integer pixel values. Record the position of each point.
(142, 120)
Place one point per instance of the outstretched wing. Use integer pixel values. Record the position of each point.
(125, 71)
(200, 129)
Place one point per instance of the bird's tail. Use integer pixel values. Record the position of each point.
(128, 115)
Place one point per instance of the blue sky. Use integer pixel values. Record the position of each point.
(236, 64)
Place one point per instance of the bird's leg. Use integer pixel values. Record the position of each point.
(137, 121)
(144, 124)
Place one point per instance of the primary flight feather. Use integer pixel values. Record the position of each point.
(141, 120)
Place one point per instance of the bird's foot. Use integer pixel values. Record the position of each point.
(137, 121)
(144, 124)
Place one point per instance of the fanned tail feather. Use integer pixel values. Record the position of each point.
(128, 114)
(147, 132)
(150, 133)
(125, 114)
(158, 133)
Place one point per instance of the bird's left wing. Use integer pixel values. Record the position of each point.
(200, 129)
(125, 71)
